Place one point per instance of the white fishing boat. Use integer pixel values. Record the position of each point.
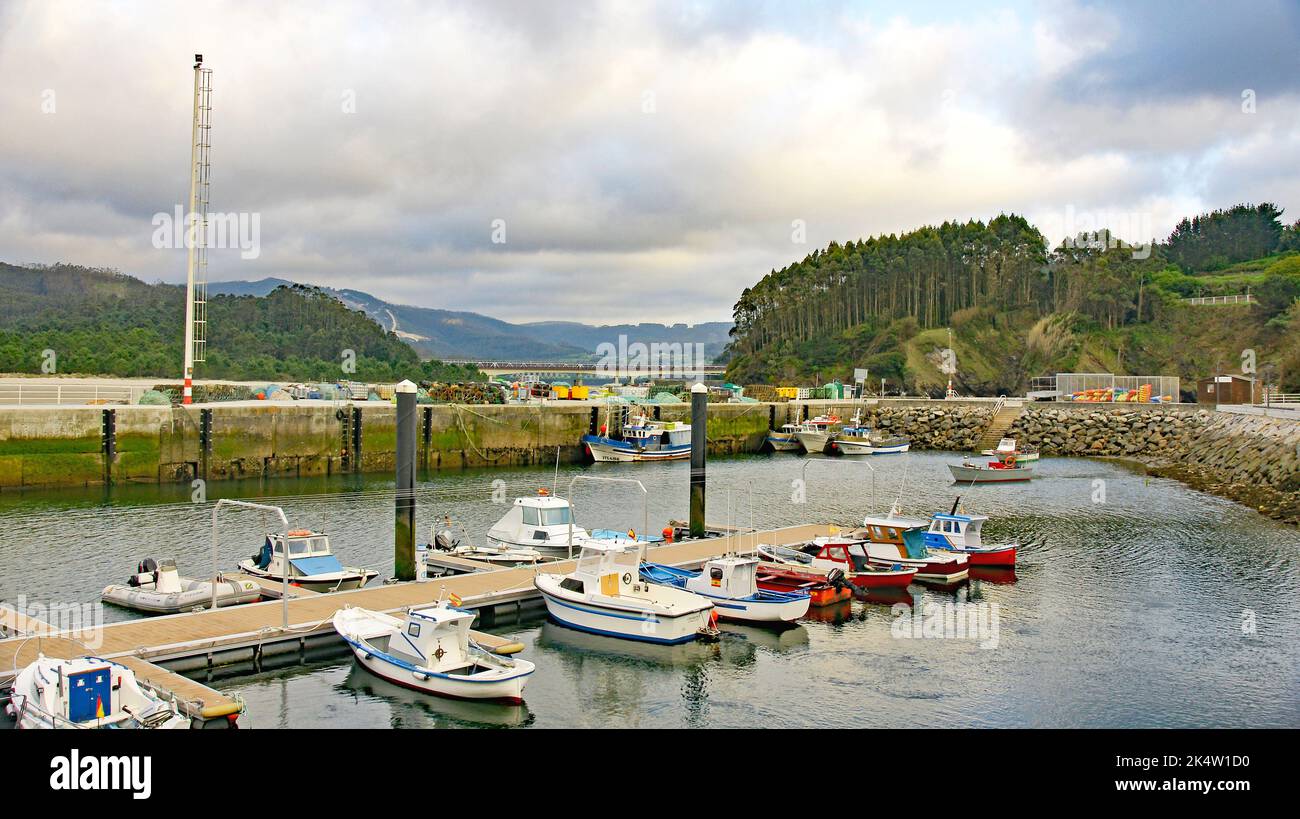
(158, 588)
(856, 439)
(731, 583)
(310, 564)
(815, 434)
(785, 439)
(87, 692)
(1003, 469)
(605, 595)
(1008, 446)
(641, 439)
(430, 650)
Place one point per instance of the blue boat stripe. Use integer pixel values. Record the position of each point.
(622, 635)
(400, 663)
(651, 619)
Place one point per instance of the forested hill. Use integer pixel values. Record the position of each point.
(1017, 310)
(101, 322)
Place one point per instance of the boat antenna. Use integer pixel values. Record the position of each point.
(898, 499)
(555, 481)
(955, 501)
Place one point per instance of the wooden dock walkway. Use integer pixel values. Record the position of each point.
(242, 632)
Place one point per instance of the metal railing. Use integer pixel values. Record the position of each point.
(17, 394)
(1242, 298)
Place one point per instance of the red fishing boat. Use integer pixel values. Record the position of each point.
(822, 589)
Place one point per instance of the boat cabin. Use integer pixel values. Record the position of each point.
(609, 568)
(434, 637)
(907, 534)
(309, 554)
(732, 576)
(949, 530)
(537, 520)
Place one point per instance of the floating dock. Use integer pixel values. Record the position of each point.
(156, 648)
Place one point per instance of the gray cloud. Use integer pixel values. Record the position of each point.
(648, 161)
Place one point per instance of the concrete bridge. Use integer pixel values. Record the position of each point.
(539, 368)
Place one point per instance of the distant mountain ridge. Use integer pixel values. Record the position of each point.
(452, 334)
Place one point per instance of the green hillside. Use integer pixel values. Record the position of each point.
(1017, 311)
(101, 322)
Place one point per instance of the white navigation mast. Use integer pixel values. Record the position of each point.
(196, 277)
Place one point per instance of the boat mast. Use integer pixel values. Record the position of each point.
(196, 301)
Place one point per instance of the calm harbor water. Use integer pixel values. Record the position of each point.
(1139, 602)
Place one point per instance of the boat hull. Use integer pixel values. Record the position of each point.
(612, 621)
(508, 690)
(344, 581)
(982, 474)
(608, 450)
(820, 592)
(1002, 556)
(783, 443)
(883, 579)
(814, 442)
(858, 446)
(196, 595)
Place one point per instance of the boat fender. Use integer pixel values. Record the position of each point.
(509, 648)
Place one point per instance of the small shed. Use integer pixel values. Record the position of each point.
(1228, 389)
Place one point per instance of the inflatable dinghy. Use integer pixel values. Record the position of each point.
(158, 588)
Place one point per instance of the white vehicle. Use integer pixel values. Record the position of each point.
(87, 692)
(430, 650)
(311, 564)
(605, 595)
(158, 588)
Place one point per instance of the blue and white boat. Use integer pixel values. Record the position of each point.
(311, 564)
(642, 439)
(856, 439)
(606, 595)
(430, 650)
(731, 584)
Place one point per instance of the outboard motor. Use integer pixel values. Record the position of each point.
(836, 578)
(145, 572)
(445, 540)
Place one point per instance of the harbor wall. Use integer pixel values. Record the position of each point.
(62, 446)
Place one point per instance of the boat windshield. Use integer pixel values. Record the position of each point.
(298, 546)
(559, 516)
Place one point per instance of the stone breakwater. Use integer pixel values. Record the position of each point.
(1249, 458)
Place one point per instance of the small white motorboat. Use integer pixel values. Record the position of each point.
(430, 650)
(158, 588)
(544, 521)
(1007, 446)
(731, 583)
(605, 595)
(87, 692)
(311, 564)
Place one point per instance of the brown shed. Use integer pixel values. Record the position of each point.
(1229, 389)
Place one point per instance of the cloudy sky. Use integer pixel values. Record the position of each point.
(640, 161)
